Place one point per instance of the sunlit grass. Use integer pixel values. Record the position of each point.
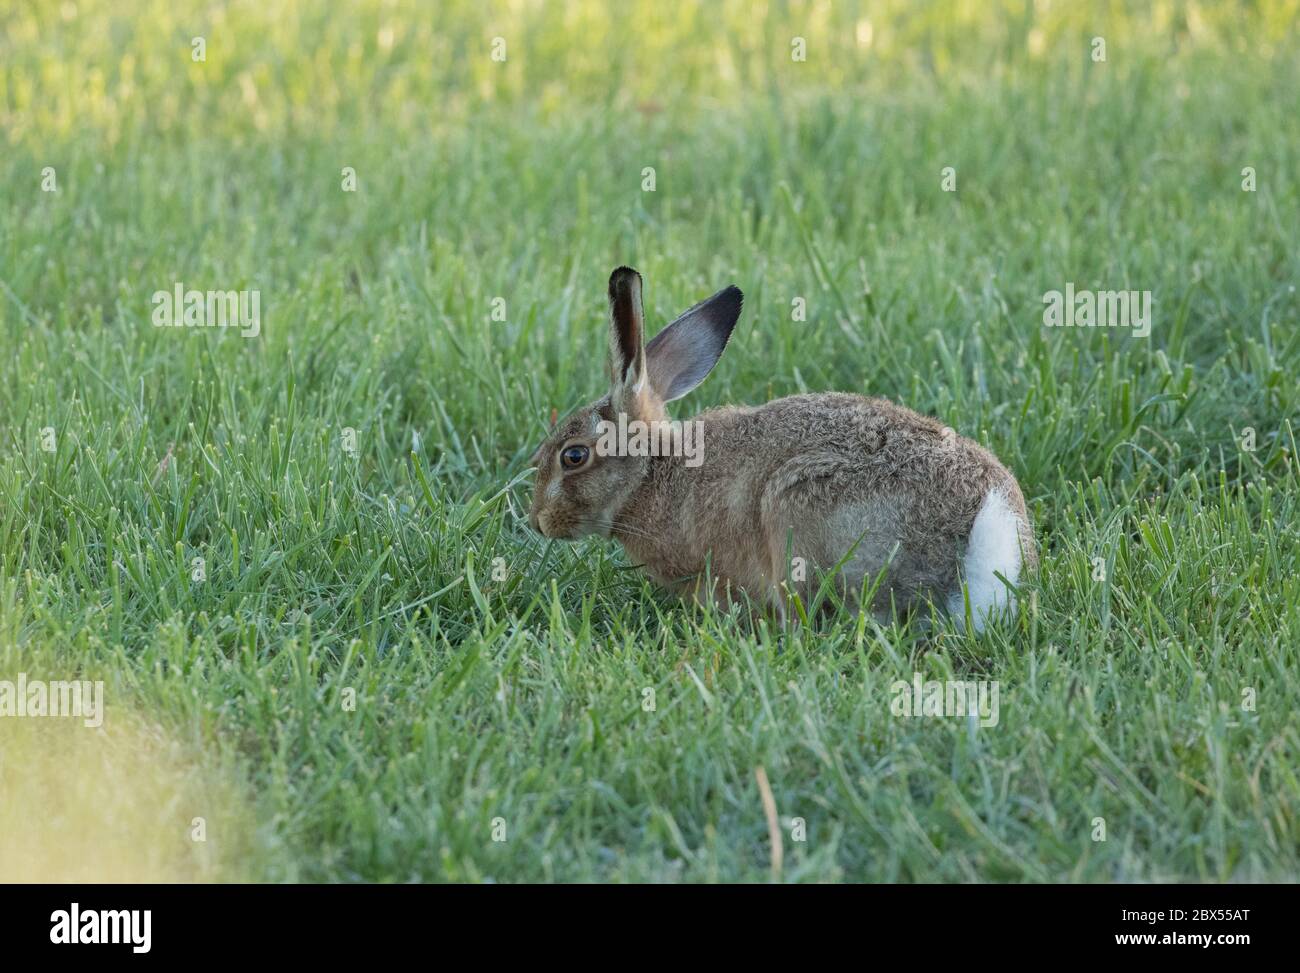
(117, 803)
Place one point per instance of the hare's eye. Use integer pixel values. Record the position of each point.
(573, 456)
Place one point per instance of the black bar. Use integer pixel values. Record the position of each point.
(333, 923)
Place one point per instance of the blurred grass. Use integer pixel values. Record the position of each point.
(522, 180)
(287, 69)
(119, 803)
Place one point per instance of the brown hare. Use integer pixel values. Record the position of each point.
(763, 499)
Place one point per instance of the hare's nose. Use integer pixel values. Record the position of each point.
(532, 521)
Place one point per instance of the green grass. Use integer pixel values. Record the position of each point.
(521, 699)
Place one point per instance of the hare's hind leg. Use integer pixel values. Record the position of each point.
(812, 537)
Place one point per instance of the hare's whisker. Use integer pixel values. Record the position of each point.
(615, 527)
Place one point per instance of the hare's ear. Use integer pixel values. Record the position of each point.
(682, 354)
(626, 338)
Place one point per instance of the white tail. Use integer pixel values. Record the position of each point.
(993, 549)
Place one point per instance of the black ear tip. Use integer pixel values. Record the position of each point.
(729, 302)
(622, 277)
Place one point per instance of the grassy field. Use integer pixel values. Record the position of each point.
(377, 672)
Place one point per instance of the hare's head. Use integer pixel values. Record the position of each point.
(585, 472)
